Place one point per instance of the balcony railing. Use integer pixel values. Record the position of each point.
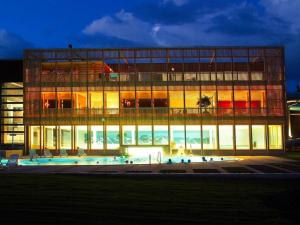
(155, 112)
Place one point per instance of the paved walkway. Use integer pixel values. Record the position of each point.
(251, 165)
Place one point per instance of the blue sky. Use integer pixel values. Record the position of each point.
(129, 23)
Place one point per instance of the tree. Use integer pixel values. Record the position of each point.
(204, 102)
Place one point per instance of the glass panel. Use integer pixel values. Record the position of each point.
(65, 100)
(177, 136)
(226, 136)
(209, 136)
(65, 137)
(193, 137)
(80, 100)
(191, 99)
(160, 99)
(96, 100)
(176, 99)
(275, 136)
(144, 99)
(145, 135)
(241, 98)
(128, 99)
(81, 139)
(50, 137)
(112, 137)
(128, 134)
(112, 101)
(258, 137)
(225, 102)
(97, 137)
(35, 137)
(13, 138)
(242, 137)
(12, 99)
(161, 135)
(12, 91)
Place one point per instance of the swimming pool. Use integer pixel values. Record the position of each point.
(93, 160)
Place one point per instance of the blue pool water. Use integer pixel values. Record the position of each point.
(92, 160)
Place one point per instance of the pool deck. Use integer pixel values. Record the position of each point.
(258, 166)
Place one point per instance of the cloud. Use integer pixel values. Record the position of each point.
(175, 2)
(12, 45)
(122, 25)
(287, 10)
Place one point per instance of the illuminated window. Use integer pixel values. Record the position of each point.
(97, 137)
(258, 137)
(193, 137)
(35, 137)
(161, 135)
(112, 102)
(160, 99)
(256, 76)
(209, 136)
(242, 137)
(96, 99)
(128, 99)
(49, 100)
(113, 137)
(191, 99)
(144, 99)
(81, 139)
(226, 136)
(65, 137)
(275, 136)
(128, 134)
(176, 99)
(80, 100)
(177, 136)
(64, 100)
(50, 137)
(144, 135)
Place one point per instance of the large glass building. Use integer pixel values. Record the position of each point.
(208, 100)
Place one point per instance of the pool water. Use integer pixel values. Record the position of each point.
(92, 160)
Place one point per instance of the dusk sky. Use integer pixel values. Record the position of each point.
(139, 23)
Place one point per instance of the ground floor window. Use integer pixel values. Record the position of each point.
(65, 137)
(50, 137)
(161, 134)
(97, 138)
(275, 136)
(81, 137)
(258, 137)
(145, 135)
(209, 137)
(193, 137)
(113, 136)
(242, 137)
(128, 134)
(35, 132)
(226, 136)
(177, 136)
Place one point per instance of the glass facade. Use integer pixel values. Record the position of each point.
(11, 101)
(212, 99)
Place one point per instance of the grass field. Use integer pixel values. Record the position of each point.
(78, 199)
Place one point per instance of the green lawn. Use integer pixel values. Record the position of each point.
(78, 199)
(291, 155)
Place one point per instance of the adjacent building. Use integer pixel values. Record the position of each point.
(11, 105)
(206, 100)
